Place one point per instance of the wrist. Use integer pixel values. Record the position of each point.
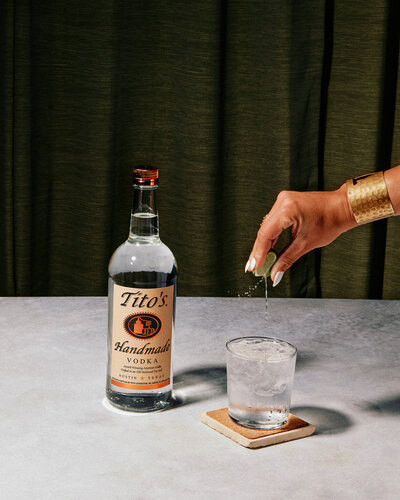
(348, 220)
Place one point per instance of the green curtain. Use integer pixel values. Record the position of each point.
(233, 101)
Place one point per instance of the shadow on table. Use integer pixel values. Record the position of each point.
(388, 405)
(303, 358)
(198, 384)
(325, 420)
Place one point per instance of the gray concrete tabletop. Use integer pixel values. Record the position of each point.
(59, 440)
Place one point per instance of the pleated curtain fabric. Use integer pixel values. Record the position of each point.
(233, 101)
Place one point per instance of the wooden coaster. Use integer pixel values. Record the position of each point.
(220, 421)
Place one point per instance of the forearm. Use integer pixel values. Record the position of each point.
(392, 179)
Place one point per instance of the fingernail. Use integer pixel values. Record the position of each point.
(278, 277)
(252, 264)
(247, 266)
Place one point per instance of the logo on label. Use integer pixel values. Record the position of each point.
(143, 325)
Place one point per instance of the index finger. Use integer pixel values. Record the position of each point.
(268, 234)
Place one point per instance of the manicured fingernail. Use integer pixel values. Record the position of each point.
(252, 264)
(278, 277)
(247, 266)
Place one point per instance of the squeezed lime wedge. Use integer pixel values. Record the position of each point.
(265, 269)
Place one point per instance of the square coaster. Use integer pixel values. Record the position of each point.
(220, 421)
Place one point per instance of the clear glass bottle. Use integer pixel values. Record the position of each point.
(141, 296)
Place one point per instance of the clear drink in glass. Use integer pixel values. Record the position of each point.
(260, 372)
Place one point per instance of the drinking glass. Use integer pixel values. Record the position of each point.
(260, 372)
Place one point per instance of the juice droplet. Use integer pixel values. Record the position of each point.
(251, 289)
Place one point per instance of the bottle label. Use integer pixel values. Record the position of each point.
(141, 337)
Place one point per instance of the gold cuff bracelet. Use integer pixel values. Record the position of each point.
(369, 198)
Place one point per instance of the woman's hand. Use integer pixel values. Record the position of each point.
(316, 219)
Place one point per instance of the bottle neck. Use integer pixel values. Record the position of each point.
(144, 216)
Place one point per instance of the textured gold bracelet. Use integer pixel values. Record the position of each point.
(369, 198)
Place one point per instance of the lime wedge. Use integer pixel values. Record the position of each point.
(265, 269)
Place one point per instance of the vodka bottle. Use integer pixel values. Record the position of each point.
(141, 313)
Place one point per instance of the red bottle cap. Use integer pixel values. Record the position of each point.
(145, 176)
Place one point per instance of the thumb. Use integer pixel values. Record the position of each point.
(289, 255)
